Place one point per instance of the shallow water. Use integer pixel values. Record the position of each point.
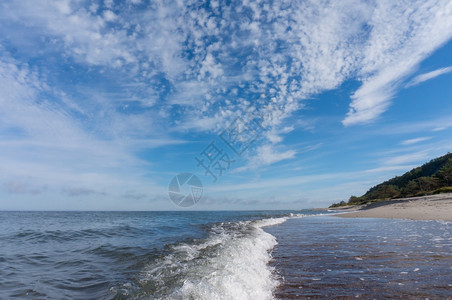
(329, 257)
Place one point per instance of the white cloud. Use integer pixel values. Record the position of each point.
(399, 40)
(85, 36)
(265, 155)
(440, 128)
(400, 168)
(416, 157)
(109, 16)
(427, 76)
(210, 68)
(63, 6)
(416, 140)
(108, 3)
(440, 122)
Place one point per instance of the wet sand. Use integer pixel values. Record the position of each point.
(435, 207)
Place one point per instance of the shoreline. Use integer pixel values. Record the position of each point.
(432, 207)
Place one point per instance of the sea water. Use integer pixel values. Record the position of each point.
(157, 255)
(221, 255)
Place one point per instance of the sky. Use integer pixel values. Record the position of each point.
(271, 104)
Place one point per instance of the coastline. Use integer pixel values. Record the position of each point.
(433, 207)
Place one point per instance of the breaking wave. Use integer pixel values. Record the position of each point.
(231, 263)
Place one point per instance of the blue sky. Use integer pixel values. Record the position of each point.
(102, 103)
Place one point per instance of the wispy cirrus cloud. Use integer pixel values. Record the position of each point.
(266, 154)
(415, 140)
(415, 157)
(399, 40)
(428, 76)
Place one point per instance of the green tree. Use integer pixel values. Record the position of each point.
(385, 191)
(445, 173)
(427, 184)
(410, 189)
(342, 203)
(354, 200)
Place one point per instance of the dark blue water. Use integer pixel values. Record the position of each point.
(103, 255)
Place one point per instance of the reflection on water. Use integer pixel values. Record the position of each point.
(329, 257)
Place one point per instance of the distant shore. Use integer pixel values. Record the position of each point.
(434, 207)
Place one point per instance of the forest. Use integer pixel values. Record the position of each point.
(433, 177)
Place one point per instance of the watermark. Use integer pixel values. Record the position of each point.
(185, 189)
(214, 161)
(217, 157)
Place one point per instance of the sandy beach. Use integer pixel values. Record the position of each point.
(435, 207)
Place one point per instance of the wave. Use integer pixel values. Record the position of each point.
(231, 263)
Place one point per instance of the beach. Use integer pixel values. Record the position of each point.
(434, 207)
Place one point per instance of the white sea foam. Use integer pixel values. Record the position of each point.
(269, 222)
(239, 269)
(232, 263)
(297, 216)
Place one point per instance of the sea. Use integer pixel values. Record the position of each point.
(221, 255)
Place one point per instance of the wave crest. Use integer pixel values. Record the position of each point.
(232, 263)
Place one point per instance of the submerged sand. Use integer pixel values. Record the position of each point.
(435, 207)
